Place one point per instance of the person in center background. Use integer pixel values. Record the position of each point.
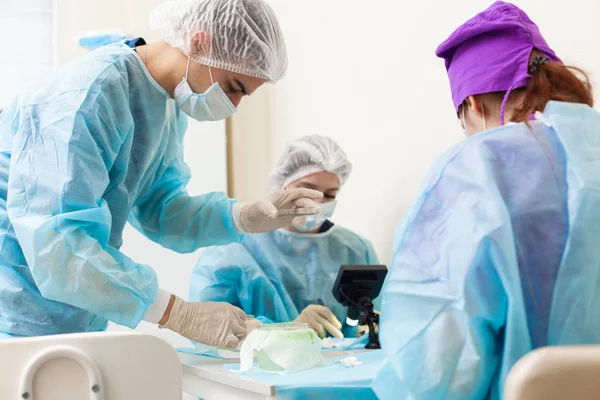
(499, 253)
(98, 143)
(288, 274)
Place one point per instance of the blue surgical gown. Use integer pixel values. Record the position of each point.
(275, 275)
(96, 144)
(498, 255)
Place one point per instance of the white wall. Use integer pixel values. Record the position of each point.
(250, 143)
(365, 73)
(31, 22)
(74, 17)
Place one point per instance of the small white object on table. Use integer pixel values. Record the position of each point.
(206, 378)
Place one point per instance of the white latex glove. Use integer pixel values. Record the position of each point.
(251, 324)
(321, 319)
(214, 324)
(263, 216)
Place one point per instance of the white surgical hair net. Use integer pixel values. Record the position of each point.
(306, 156)
(244, 35)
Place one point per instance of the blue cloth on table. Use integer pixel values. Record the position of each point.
(349, 343)
(329, 382)
(208, 351)
(212, 351)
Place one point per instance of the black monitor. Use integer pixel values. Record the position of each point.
(356, 287)
(356, 281)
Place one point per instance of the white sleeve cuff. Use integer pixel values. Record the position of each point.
(156, 311)
(236, 210)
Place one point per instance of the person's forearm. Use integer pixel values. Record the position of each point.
(70, 266)
(184, 223)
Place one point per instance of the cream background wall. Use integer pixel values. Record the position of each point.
(365, 73)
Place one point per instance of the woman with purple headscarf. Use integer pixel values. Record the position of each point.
(499, 253)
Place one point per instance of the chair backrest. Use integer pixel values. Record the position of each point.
(99, 366)
(558, 372)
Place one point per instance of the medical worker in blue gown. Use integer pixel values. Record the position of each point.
(288, 274)
(99, 143)
(500, 252)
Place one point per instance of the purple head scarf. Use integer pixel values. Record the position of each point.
(490, 53)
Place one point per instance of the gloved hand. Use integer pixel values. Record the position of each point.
(264, 216)
(252, 324)
(214, 324)
(321, 319)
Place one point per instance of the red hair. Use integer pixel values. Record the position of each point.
(552, 81)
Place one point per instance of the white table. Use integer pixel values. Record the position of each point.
(206, 378)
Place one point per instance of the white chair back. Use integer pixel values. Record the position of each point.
(96, 366)
(553, 373)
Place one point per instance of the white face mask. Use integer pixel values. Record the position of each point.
(464, 121)
(313, 222)
(293, 348)
(212, 105)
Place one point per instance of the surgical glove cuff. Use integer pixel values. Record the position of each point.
(155, 312)
(177, 319)
(236, 210)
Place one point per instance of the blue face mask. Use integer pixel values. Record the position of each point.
(313, 222)
(212, 105)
